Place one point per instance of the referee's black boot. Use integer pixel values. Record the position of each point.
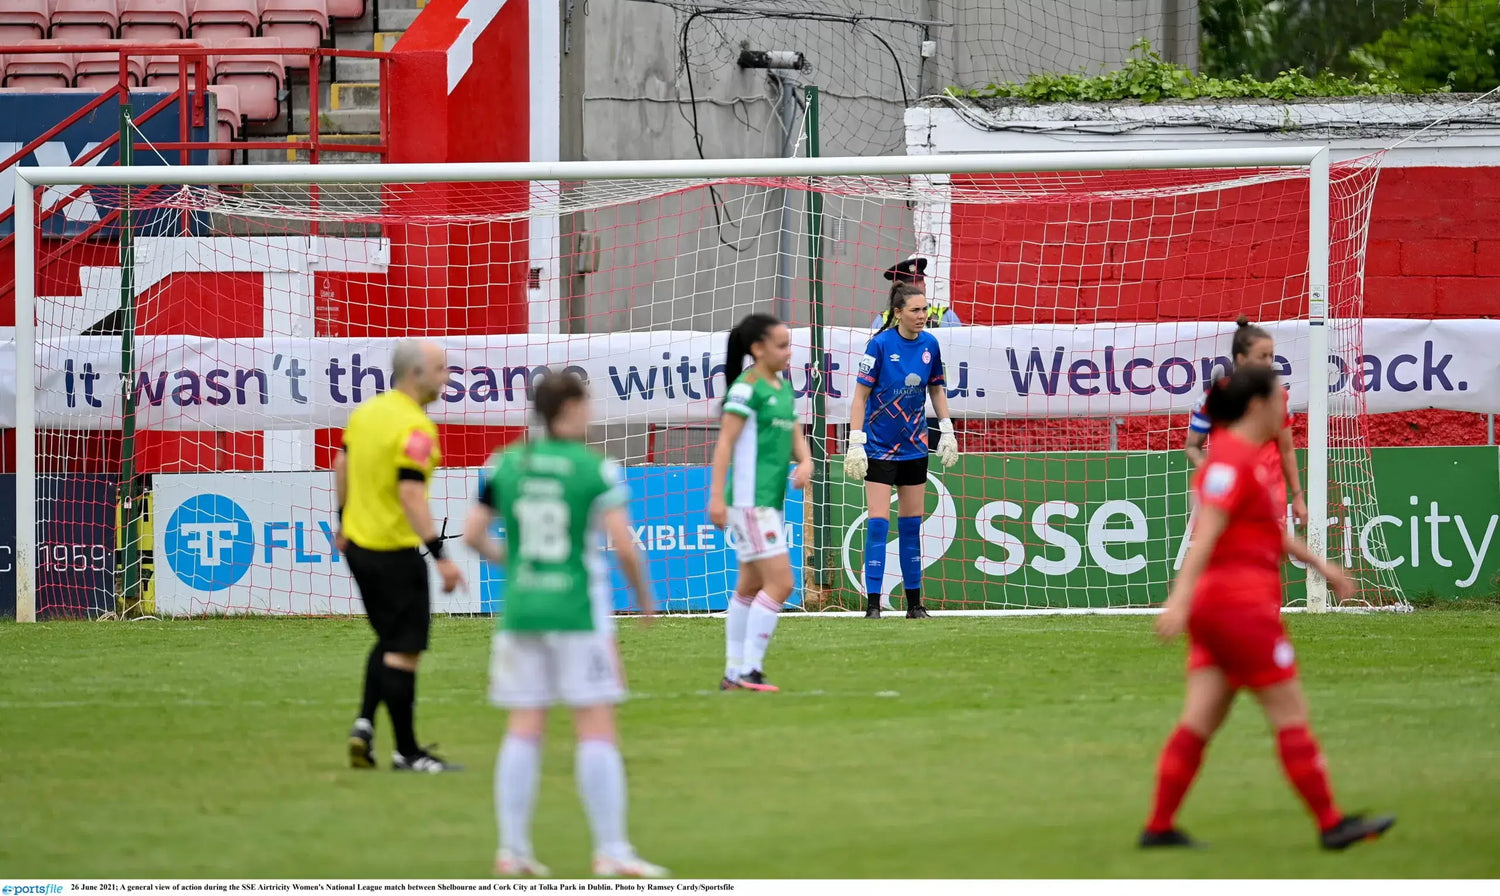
(423, 762)
(361, 744)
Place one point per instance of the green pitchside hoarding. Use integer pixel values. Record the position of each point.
(1078, 529)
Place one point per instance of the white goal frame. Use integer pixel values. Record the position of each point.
(1313, 158)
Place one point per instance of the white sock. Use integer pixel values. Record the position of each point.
(734, 633)
(759, 627)
(517, 773)
(601, 785)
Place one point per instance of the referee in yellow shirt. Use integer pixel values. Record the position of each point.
(390, 451)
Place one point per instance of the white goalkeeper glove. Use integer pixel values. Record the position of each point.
(856, 462)
(947, 446)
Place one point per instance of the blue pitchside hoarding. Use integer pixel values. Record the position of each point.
(75, 552)
(691, 564)
(26, 116)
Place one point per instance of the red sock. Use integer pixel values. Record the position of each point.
(1304, 766)
(1179, 763)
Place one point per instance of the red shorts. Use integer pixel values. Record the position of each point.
(1247, 642)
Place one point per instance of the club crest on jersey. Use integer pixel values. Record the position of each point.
(770, 536)
(419, 446)
(926, 357)
(1218, 480)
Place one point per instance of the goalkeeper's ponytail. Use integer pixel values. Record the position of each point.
(745, 334)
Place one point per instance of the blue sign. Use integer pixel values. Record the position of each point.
(209, 542)
(691, 564)
(74, 567)
(26, 116)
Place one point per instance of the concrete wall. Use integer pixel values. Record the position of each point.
(673, 262)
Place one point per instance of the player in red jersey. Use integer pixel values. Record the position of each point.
(1252, 346)
(1228, 599)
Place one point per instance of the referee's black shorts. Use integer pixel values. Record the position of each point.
(393, 586)
(898, 472)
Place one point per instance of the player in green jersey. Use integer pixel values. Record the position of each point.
(758, 436)
(557, 499)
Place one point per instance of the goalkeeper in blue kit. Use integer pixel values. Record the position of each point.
(901, 369)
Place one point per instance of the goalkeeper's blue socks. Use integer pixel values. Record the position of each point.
(877, 534)
(909, 534)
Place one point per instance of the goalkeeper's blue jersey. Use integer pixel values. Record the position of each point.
(899, 371)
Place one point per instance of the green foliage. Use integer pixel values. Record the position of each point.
(1447, 45)
(1261, 38)
(1148, 78)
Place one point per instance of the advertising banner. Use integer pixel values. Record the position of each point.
(264, 543)
(1080, 529)
(26, 116)
(75, 552)
(1074, 529)
(189, 383)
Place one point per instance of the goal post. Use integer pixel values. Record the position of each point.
(658, 231)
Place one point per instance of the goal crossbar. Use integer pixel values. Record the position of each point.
(661, 169)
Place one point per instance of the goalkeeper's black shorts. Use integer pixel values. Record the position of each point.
(898, 472)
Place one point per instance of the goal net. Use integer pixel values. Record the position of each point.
(184, 361)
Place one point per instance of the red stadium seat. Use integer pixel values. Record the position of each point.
(39, 71)
(224, 19)
(23, 20)
(259, 77)
(162, 72)
(346, 9)
(227, 98)
(101, 71)
(85, 21)
(227, 104)
(153, 20)
(299, 23)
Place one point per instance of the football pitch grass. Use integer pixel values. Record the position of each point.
(958, 747)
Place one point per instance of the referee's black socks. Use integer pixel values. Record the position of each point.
(371, 700)
(399, 689)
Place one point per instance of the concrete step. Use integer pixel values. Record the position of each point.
(241, 225)
(270, 209)
(396, 19)
(355, 40)
(298, 91)
(345, 199)
(326, 155)
(339, 121)
(385, 41)
(359, 70)
(354, 95)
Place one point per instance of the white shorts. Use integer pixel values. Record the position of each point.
(758, 532)
(535, 671)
